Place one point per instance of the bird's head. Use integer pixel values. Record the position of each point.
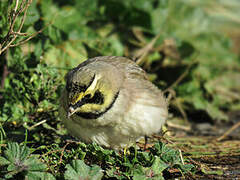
(92, 89)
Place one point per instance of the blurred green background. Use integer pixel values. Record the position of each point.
(189, 48)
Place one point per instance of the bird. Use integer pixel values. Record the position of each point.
(110, 101)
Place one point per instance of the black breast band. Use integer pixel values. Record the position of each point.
(91, 115)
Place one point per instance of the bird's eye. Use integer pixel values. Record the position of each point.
(68, 87)
(97, 98)
(87, 96)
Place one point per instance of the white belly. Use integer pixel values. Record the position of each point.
(117, 128)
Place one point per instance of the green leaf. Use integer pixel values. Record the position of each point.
(39, 175)
(19, 160)
(158, 166)
(33, 166)
(153, 172)
(79, 170)
(4, 161)
(32, 14)
(140, 177)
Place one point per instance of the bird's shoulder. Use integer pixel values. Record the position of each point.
(127, 66)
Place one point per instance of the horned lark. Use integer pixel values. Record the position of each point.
(109, 100)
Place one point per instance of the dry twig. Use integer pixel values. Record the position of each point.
(63, 149)
(235, 126)
(142, 53)
(37, 124)
(182, 76)
(178, 126)
(12, 34)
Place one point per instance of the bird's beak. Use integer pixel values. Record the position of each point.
(71, 111)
